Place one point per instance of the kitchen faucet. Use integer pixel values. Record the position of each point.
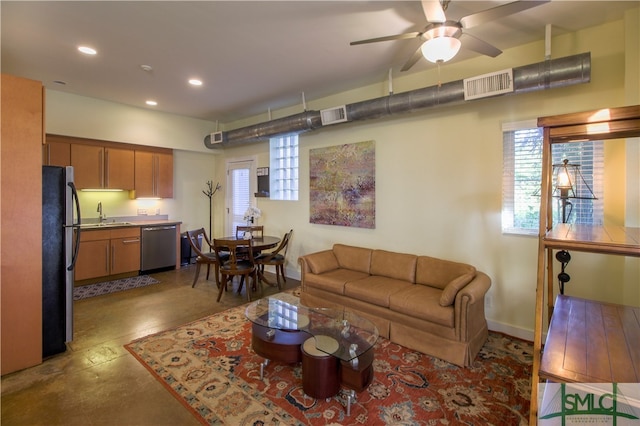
(101, 217)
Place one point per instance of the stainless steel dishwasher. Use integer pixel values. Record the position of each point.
(158, 247)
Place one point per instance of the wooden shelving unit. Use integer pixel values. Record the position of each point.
(587, 341)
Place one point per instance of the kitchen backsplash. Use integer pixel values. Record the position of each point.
(118, 205)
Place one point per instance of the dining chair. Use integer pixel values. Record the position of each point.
(275, 258)
(197, 239)
(256, 230)
(240, 262)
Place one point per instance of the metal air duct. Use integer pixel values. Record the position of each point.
(549, 74)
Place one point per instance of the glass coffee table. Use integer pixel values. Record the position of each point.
(335, 346)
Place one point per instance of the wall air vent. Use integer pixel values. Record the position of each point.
(333, 115)
(216, 137)
(487, 85)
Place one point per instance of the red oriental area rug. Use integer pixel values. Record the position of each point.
(209, 366)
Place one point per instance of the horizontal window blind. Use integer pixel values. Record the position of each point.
(241, 196)
(588, 183)
(522, 176)
(522, 171)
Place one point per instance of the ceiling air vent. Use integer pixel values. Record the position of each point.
(486, 85)
(333, 115)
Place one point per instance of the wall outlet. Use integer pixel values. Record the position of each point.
(157, 211)
(142, 211)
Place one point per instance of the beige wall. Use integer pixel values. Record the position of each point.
(80, 116)
(438, 173)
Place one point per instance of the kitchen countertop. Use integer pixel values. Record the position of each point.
(111, 224)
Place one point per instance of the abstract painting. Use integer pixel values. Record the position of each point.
(342, 185)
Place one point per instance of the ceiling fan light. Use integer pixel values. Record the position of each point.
(440, 49)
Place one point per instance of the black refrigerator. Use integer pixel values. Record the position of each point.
(60, 218)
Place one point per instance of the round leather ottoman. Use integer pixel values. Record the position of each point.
(320, 375)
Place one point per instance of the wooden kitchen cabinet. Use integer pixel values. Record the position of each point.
(99, 167)
(153, 174)
(93, 258)
(148, 171)
(87, 162)
(21, 304)
(108, 252)
(125, 250)
(56, 152)
(119, 168)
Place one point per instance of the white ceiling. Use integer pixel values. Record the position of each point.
(251, 56)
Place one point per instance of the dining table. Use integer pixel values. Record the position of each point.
(259, 244)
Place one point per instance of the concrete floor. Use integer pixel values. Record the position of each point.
(96, 381)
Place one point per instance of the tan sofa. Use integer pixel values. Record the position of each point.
(430, 305)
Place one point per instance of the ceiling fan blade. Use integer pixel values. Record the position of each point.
(473, 43)
(412, 60)
(499, 12)
(433, 11)
(387, 38)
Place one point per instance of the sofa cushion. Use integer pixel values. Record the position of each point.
(322, 262)
(394, 265)
(439, 273)
(374, 289)
(354, 258)
(422, 302)
(455, 285)
(333, 281)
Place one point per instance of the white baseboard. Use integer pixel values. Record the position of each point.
(510, 330)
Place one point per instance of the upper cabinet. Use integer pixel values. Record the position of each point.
(98, 167)
(153, 174)
(56, 151)
(148, 171)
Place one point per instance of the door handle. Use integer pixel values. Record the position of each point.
(76, 201)
(101, 168)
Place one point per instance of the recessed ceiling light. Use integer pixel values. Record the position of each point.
(195, 82)
(87, 50)
(151, 103)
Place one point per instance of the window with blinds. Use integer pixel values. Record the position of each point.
(283, 176)
(241, 199)
(522, 176)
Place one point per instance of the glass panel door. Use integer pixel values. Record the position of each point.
(241, 184)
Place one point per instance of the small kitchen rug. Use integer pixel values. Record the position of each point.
(98, 289)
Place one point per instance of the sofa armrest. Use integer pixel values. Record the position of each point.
(469, 307)
(304, 264)
(304, 269)
(316, 263)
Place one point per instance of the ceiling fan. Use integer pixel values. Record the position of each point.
(443, 38)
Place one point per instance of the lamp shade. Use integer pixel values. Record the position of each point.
(440, 49)
(563, 175)
(563, 179)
